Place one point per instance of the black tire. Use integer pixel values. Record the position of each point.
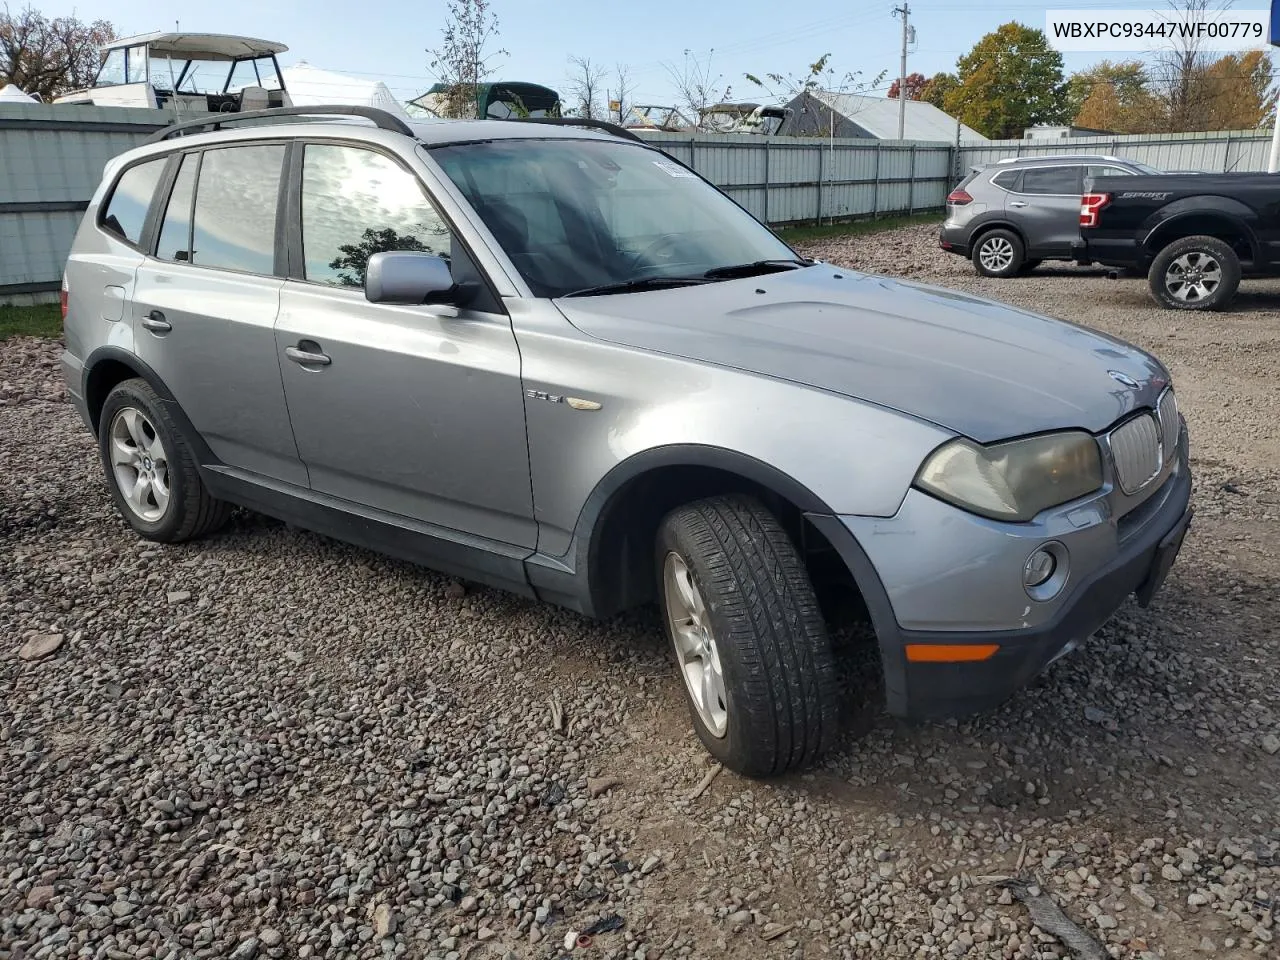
(190, 511)
(999, 240)
(779, 675)
(1028, 266)
(1196, 252)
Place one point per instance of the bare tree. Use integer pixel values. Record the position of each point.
(696, 86)
(1177, 74)
(620, 94)
(785, 88)
(463, 60)
(586, 84)
(50, 57)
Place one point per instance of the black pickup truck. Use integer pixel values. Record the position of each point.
(1194, 235)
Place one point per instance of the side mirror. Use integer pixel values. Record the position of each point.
(409, 277)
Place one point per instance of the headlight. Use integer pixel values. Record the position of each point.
(1015, 480)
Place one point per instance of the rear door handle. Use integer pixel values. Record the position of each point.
(156, 323)
(307, 358)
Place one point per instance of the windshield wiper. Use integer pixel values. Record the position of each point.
(754, 269)
(638, 285)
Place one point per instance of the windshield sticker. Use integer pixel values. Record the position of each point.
(674, 169)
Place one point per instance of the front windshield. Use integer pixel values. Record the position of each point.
(577, 214)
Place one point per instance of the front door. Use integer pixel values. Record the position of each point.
(1047, 208)
(205, 305)
(413, 410)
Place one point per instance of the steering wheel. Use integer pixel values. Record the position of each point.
(666, 240)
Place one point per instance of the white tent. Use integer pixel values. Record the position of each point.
(310, 86)
(12, 94)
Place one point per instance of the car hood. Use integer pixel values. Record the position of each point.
(979, 368)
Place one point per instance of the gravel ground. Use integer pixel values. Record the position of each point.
(272, 745)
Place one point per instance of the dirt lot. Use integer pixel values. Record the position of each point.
(269, 745)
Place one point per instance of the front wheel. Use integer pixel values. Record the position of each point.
(1195, 273)
(748, 636)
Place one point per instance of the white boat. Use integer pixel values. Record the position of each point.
(188, 73)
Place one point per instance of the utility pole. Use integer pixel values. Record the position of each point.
(905, 10)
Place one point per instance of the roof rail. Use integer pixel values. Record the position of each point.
(613, 128)
(381, 118)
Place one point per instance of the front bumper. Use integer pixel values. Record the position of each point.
(918, 688)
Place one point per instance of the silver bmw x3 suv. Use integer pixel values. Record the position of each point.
(551, 359)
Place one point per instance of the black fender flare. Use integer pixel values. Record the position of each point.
(583, 556)
(94, 362)
(1225, 209)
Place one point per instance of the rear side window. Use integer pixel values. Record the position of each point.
(1007, 179)
(356, 203)
(175, 231)
(237, 194)
(126, 211)
(1051, 180)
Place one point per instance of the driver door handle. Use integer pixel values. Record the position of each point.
(307, 358)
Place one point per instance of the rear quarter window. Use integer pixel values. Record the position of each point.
(125, 212)
(1007, 179)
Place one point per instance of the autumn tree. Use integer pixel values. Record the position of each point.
(464, 59)
(937, 87)
(586, 88)
(916, 83)
(1010, 80)
(1239, 91)
(1178, 72)
(1115, 97)
(50, 57)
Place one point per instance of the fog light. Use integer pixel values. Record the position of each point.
(1040, 566)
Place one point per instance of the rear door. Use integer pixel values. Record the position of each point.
(205, 305)
(1047, 209)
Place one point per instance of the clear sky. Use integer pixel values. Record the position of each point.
(387, 40)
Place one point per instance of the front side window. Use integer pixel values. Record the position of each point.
(112, 71)
(577, 214)
(1051, 180)
(126, 212)
(237, 193)
(356, 203)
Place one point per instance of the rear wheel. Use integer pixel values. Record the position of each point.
(748, 636)
(151, 470)
(1195, 273)
(999, 253)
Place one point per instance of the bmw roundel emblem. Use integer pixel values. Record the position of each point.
(1124, 378)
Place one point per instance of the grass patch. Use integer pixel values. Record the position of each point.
(804, 234)
(42, 320)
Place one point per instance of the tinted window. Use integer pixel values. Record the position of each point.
(1045, 180)
(1007, 179)
(236, 199)
(356, 203)
(126, 211)
(175, 232)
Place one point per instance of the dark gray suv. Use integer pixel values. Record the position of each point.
(1010, 215)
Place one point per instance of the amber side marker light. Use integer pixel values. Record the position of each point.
(950, 652)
